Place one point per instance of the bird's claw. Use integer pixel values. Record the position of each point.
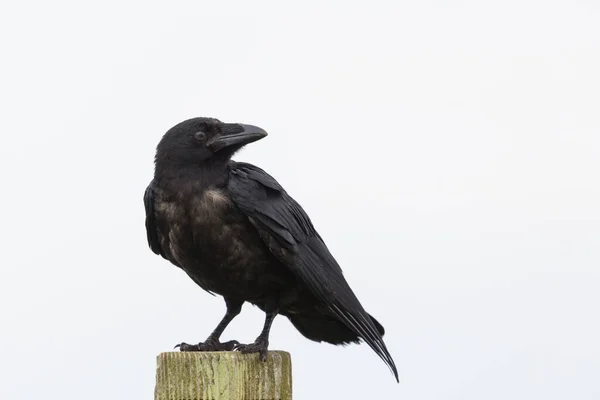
(209, 345)
(260, 346)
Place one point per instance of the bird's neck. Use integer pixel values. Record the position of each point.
(209, 174)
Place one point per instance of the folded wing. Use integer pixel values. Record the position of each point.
(291, 237)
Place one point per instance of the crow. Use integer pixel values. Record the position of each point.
(237, 233)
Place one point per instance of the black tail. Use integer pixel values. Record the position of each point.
(322, 328)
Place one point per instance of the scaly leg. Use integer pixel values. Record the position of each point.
(212, 342)
(261, 344)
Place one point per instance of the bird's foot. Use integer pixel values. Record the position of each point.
(209, 345)
(260, 346)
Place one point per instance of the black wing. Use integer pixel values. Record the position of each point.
(290, 235)
(151, 227)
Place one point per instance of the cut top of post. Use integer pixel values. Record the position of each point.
(224, 375)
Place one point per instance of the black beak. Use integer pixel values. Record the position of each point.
(236, 135)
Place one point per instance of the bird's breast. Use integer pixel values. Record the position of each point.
(212, 240)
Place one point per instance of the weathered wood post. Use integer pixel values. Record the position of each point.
(226, 375)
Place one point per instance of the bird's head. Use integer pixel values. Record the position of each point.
(203, 140)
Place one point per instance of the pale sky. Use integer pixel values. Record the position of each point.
(447, 151)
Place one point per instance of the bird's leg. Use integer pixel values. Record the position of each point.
(261, 344)
(212, 342)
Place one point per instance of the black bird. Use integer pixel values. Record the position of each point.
(236, 232)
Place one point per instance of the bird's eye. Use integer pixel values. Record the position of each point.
(200, 136)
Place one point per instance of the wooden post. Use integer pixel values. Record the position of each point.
(227, 375)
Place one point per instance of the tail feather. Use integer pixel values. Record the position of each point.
(379, 327)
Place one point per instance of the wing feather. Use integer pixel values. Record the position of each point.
(290, 235)
(151, 227)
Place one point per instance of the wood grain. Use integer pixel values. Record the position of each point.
(223, 376)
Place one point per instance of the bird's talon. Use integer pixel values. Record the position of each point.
(228, 346)
(209, 345)
(260, 347)
(188, 347)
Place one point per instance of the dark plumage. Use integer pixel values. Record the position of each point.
(236, 232)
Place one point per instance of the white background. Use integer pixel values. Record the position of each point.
(448, 152)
